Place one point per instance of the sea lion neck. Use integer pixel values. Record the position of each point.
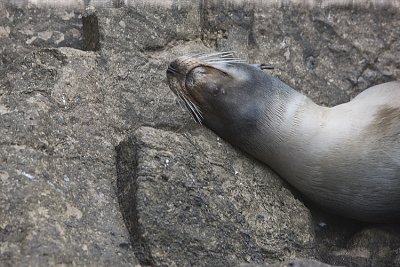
(287, 117)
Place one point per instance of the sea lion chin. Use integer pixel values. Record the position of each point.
(346, 158)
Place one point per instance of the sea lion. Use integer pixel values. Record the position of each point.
(345, 158)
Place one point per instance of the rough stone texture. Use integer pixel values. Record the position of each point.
(63, 111)
(130, 46)
(370, 246)
(57, 194)
(23, 28)
(330, 54)
(196, 200)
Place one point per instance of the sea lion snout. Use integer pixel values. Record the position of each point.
(182, 65)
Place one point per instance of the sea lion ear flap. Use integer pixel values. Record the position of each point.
(263, 66)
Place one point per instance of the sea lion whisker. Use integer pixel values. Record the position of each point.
(194, 113)
(198, 116)
(195, 107)
(225, 53)
(171, 70)
(217, 58)
(206, 55)
(217, 55)
(196, 55)
(191, 104)
(223, 57)
(221, 60)
(180, 100)
(197, 110)
(228, 55)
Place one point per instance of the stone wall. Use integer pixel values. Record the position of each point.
(100, 166)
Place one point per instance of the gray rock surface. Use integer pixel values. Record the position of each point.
(193, 199)
(25, 27)
(171, 193)
(57, 195)
(331, 54)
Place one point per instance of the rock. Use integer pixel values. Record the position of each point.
(315, 50)
(376, 246)
(136, 67)
(57, 194)
(190, 199)
(68, 197)
(26, 27)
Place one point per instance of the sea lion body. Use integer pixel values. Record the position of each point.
(346, 158)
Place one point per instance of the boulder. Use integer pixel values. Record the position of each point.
(99, 165)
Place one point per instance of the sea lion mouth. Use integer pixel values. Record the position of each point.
(179, 69)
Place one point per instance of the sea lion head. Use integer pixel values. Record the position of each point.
(220, 90)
